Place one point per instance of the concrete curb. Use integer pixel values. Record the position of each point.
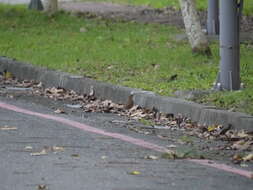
(118, 94)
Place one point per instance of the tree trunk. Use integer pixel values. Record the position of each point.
(36, 5)
(51, 6)
(196, 36)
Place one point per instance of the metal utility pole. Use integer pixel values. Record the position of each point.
(36, 5)
(213, 17)
(230, 15)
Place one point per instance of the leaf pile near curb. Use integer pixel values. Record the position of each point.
(238, 140)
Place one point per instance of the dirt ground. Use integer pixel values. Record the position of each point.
(142, 14)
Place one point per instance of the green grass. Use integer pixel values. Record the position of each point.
(201, 4)
(136, 55)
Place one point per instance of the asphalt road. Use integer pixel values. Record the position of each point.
(101, 154)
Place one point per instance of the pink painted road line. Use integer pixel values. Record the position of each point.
(125, 138)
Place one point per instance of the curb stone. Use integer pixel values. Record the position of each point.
(119, 94)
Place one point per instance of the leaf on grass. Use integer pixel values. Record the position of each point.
(41, 153)
(135, 172)
(82, 30)
(8, 128)
(156, 66)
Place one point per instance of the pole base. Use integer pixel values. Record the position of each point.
(217, 85)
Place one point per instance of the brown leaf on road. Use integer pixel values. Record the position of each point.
(243, 134)
(42, 187)
(8, 128)
(172, 146)
(41, 153)
(237, 158)
(58, 149)
(151, 157)
(75, 155)
(59, 111)
(55, 90)
(28, 148)
(135, 172)
(241, 145)
(247, 158)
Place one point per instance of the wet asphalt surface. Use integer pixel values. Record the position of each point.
(87, 160)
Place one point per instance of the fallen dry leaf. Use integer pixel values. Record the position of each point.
(82, 30)
(92, 91)
(130, 102)
(7, 75)
(169, 155)
(172, 146)
(212, 128)
(75, 106)
(237, 158)
(247, 158)
(28, 148)
(39, 85)
(8, 128)
(244, 165)
(242, 134)
(59, 111)
(58, 149)
(135, 173)
(75, 155)
(103, 157)
(241, 145)
(42, 187)
(151, 157)
(41, 153)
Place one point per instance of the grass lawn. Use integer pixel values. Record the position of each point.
(201, 4)
(137, 55)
